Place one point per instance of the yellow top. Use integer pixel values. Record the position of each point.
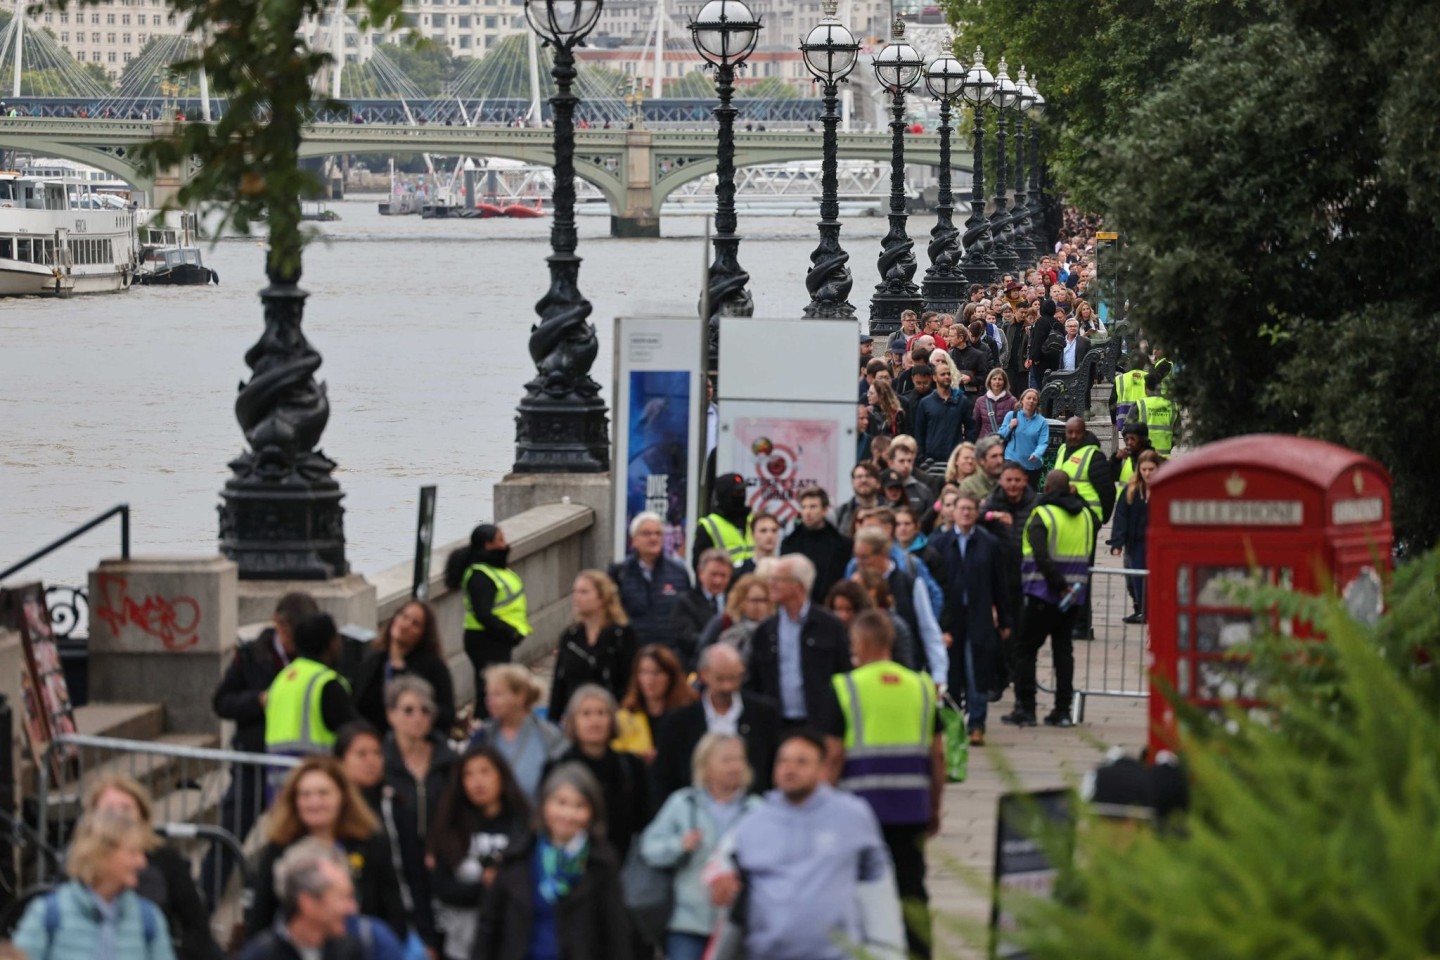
(634, 727)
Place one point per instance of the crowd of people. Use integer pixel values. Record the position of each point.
(759, 729)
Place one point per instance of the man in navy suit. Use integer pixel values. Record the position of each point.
(976, 614)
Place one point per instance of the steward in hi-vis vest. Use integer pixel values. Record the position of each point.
(308, 701)
(728, 527)
(496, 619)
(1088, 468)
(1129, 390)
(1158, 414)
(1058, 545)
(894, 759)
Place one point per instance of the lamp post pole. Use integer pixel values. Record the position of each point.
(898, 68)
(725, 33)
(1020, 208)
(978, 90)
(945, 285)
(1037, 202)
(562, 424)
(1001, 249)
(830, 52)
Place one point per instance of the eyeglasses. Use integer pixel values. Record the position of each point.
(410, 709)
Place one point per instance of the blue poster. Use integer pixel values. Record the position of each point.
(659, 449)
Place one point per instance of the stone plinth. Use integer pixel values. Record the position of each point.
(349, 599)
(161, 631)
(519, 492)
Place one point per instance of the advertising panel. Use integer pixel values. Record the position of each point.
(659, 434)
(781, 456)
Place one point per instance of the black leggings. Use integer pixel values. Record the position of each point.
(483, 652)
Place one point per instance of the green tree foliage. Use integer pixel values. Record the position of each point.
(1094, 61)
(430, 66)
(250, 157)
(1312, 834)
(697, 84)
(1270, 164)
(769, 88)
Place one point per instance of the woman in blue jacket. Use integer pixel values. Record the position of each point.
(688, 829)
(1027, 435)
(97, 913)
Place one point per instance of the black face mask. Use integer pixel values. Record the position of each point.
(495, 556)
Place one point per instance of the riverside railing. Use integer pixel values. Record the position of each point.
(1115, 661)
(222, 792)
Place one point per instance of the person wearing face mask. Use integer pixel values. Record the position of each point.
(728, 526)
(496, 619)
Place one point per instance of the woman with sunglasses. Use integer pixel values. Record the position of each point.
(417, 758)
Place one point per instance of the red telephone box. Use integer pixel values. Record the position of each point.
(1295, 512)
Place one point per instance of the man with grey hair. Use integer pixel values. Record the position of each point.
(699, 605)
(795, 652)
(911, 598)
(650, 582)
(990, 458)
(317, 899)
(721, 709)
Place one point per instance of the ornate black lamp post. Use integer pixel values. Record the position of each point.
(1037, 202)
(945, 284)
(280, 515)
(1019, 207)
(724, 33)
(830, 51)
(978, 89)
(562, 425)
(898, 68)
(1001, 250)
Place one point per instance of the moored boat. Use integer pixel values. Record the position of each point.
(55, 242)
(526, 210)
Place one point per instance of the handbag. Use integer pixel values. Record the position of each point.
(649, 892)
(957, 744)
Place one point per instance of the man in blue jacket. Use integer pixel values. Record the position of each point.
(650, 583)
(943, 419)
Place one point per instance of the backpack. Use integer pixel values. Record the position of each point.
(148, 921)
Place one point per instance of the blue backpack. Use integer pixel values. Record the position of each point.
(148, 920)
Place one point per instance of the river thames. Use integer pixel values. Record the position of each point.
(423, 326)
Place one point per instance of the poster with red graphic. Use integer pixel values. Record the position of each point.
(781, 456)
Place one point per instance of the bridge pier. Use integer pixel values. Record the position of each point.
(639, 217)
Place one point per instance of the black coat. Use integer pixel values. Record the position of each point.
(369, 684)
(377, 888)
(400, 823)
(627, 792)
(824, 652)
(237, 698)
(692, 612)
(980, 581)
(590, 921)
(167, 883)
(608, 663)
(648, 602)
(270, 946)
(678, 734)
(827, 548)
(1132, 523)
(419, 799)
(1039, 332)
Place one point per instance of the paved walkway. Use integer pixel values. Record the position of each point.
(962, 857)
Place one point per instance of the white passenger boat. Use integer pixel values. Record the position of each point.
(60, 237)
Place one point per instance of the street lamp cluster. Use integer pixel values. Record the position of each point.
(562, 423)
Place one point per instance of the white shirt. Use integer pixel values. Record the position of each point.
(727, 722)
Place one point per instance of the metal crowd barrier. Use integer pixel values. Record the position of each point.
(204, 798)
(1111, 657)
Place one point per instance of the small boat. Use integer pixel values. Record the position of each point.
(489, 207)
(535, 207)
(176, 267)
(316, 210)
